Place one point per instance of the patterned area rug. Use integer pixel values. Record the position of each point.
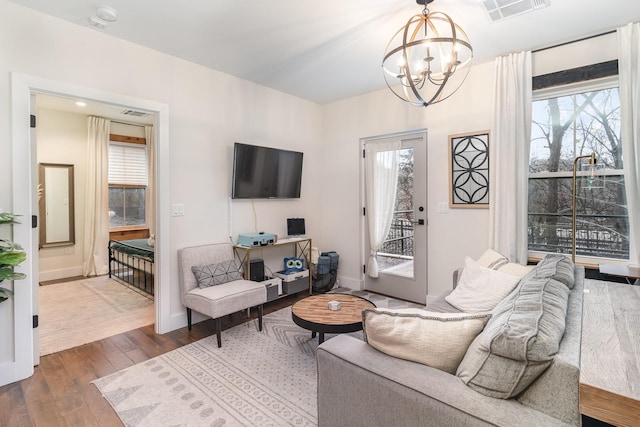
(257, 378)
(87, 310)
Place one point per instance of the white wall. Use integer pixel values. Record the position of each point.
(578, 54)
(62, 139)
(451, 235)
(208, 111)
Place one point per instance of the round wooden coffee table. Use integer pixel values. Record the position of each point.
(313, 313)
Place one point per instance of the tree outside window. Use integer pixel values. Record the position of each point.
(127, 206)
(564, 127)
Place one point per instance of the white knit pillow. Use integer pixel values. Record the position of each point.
(439, 340)
(480, 288)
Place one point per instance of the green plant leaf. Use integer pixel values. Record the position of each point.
(5, 294)
(7, 273)
(7, 245)
(8, 218)
(12, 257)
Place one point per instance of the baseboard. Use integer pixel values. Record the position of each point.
(177, 321)
(353, 284)
(63, 273)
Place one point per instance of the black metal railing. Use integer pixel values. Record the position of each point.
(596, 235)
(399, 241)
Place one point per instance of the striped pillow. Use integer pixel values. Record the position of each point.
(492, 259)
(480, 288)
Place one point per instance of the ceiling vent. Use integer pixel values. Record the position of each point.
(134, 113)
(501, 9)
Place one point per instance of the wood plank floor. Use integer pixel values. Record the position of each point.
(60, 392)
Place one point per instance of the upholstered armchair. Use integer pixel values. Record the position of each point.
(211, 284)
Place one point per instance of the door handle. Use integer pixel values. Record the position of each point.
(418, 222)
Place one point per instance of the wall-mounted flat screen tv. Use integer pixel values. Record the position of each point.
(265, 173)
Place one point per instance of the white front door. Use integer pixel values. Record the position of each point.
(402, 256)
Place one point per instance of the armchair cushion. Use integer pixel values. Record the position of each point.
(220, 300)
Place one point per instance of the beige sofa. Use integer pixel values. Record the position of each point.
(361, 386)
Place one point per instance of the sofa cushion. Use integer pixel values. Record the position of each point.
(558, 267)
(439, 340)
(217, 273)
(520, 341)
(480, 288)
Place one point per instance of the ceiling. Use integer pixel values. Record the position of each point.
(327, 50)
(70, 105)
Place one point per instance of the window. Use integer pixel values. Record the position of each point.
(566, 123)
(127, 185)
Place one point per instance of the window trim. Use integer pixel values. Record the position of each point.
(560, 90)
(586, 73)
(131, 141)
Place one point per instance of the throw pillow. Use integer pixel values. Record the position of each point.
(439, 340)
(492, 259)
(519, 341)
(515, 269)
(217, 274)
(480, 288)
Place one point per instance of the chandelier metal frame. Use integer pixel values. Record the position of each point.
(430, 61)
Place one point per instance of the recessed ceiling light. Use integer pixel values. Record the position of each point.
(81, 104)
(107, 13)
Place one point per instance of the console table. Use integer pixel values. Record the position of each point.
(610, 359)
(628, 273)
(301, 249)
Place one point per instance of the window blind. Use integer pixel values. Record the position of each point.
(127, 164)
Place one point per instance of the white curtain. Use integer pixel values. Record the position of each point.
(629, 74)
(381, 182)
(96, 215)
(151, 174)
(509, 156)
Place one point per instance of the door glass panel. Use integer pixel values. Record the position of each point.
(396, 254)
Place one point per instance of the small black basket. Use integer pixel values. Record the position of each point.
(325, 272)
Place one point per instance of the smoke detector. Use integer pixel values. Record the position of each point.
(97, 22)
(502, 9)
(107, 14)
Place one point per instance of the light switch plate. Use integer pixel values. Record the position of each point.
(443, 207)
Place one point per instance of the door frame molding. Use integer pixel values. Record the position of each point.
(23, 187)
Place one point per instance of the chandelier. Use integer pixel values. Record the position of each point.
(427, 60)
